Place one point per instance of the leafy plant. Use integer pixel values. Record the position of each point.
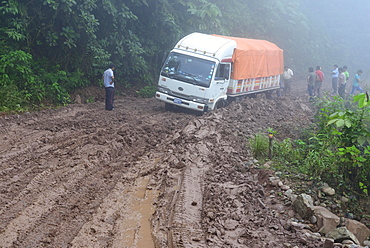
(147, 91)
(352, 132)
(259, 145)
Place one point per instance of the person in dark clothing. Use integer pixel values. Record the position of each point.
(341, 82)
(311, 82)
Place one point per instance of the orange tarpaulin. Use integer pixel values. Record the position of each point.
(256, 58)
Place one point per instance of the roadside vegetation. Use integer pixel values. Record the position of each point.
(335, 150)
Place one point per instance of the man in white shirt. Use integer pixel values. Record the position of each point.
(288, 79)
(334, 79)
(108, 78)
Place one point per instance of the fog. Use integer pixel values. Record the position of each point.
(345, 30)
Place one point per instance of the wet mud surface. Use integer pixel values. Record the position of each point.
(80, 176)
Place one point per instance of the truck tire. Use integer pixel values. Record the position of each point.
(220, 104)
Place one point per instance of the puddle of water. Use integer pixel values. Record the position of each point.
(140, 233)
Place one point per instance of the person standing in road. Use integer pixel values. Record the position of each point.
(288, 79)
(346, 73)
(356, 83)
(318, 81)
(341, 82)
(108, 78)
(311, 82)
(334, 79)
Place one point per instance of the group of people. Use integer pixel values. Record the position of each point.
(339, 76)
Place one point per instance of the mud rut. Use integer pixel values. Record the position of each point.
(138, 176)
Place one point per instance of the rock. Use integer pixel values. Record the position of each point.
(328, 190)
(326, 220)
(231, 224)
(367, 243)
(328, 243)
(319, 195)
(211, 215)
(358, 229)
(337, 245)
(348, 242)
(310, 235)
(275, 182)
(344, 199)
(313, 219)
(303, 205)
(316, 235)
(78, 99)
(285, 187)
(291, 213)
(290, 195)
(266, 165)
(342, 233)
(298, 226)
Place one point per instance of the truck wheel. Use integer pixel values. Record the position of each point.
(168, 107)
(221, 104)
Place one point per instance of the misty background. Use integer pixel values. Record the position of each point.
(49, 48)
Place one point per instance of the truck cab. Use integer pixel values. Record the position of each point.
(195, 74)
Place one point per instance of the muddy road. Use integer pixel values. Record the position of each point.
(80, 176)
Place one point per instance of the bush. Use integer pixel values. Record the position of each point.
(25, 82)
(259, 145)
(147, 91)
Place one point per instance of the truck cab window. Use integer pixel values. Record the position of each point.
(223, 72)
(188, 69)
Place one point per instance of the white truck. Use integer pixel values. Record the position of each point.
(204, 72)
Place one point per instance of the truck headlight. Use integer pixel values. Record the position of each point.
(163, 90)
(201, 100)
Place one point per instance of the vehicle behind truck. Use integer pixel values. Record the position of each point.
(204, 72)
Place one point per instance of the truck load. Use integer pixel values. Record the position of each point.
(204, 72)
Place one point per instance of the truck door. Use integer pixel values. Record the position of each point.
(221, 82)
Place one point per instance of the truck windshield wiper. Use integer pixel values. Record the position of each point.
(195, 81)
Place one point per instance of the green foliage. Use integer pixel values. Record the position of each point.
(11, 100)
(25, 82)
(287, 151)
(337, 150)
(259, 145)
(351, 128)
(147, 92)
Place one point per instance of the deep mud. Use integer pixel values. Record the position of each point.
(79, 176)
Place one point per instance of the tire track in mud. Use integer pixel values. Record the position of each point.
(84, 177)
(52, 203)
(187, 171)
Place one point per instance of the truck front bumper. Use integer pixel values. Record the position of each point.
(181, 102)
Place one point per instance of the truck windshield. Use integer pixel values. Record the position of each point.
(188, 69)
